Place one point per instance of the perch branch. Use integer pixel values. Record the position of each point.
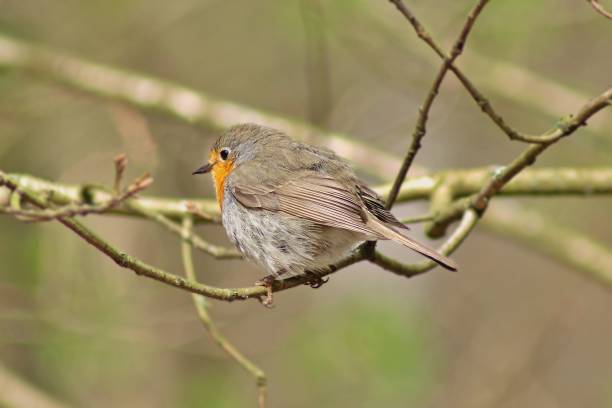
(141, 268)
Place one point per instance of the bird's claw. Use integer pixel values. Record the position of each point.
(316, 282)
(267, 282)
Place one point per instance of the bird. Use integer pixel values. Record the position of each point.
(295, 209)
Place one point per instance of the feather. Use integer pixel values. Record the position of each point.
(327, 202)
(390, 233)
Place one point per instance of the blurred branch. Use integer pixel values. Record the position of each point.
(201, 307)
(600, 9)
(562, 243)
(16, 393)
(420, 128)
(565, 126)
(177, 101)
(317, 61)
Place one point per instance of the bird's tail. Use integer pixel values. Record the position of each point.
(391, 234)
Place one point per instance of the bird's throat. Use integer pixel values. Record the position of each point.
(220, 172)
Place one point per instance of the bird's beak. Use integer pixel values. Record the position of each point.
(204, 169)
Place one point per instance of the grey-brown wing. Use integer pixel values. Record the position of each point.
(376, 206)
(320, 199)
(325, 201)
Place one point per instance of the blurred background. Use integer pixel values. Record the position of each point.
(514, 328)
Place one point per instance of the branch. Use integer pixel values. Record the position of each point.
(503, 175)
(568, 125)
(468, 222)
(544, 181)
(592, 260)
(448, 213)
(192, 238)
(562, 243)
(179, 102)
(201, 307)
(556, 132)
(77, 209)
(599, 8)
(420, 128)
(15, 392)
(141, 268)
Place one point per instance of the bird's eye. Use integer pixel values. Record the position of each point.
(224, 153)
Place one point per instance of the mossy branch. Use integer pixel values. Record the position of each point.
(562, 181)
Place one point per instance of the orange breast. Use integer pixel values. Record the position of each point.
(220, 172)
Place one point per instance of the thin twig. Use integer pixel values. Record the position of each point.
(120, 165)
(503, 175)
(201, 307)
(480, 200)
(468, 222)
(192, 238)
(72, 210)
(420, 128)
(569, 124)
(557, 131)
(141, 268)
(600, 9)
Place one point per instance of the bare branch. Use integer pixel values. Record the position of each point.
(179, 102)
(484, 103)
(75, 209)
(544, 181)
(600, 9)
(217, 336)
(192, 238)
(567, 126)
(503, 175)
(120, 165)
(468, 222)
(421, 125)
(141, 268)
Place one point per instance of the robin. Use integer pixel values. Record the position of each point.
(295, 209)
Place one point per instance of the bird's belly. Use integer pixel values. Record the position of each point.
(282, 244)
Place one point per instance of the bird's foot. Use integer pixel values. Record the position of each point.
(315, 281)
(267, 282)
